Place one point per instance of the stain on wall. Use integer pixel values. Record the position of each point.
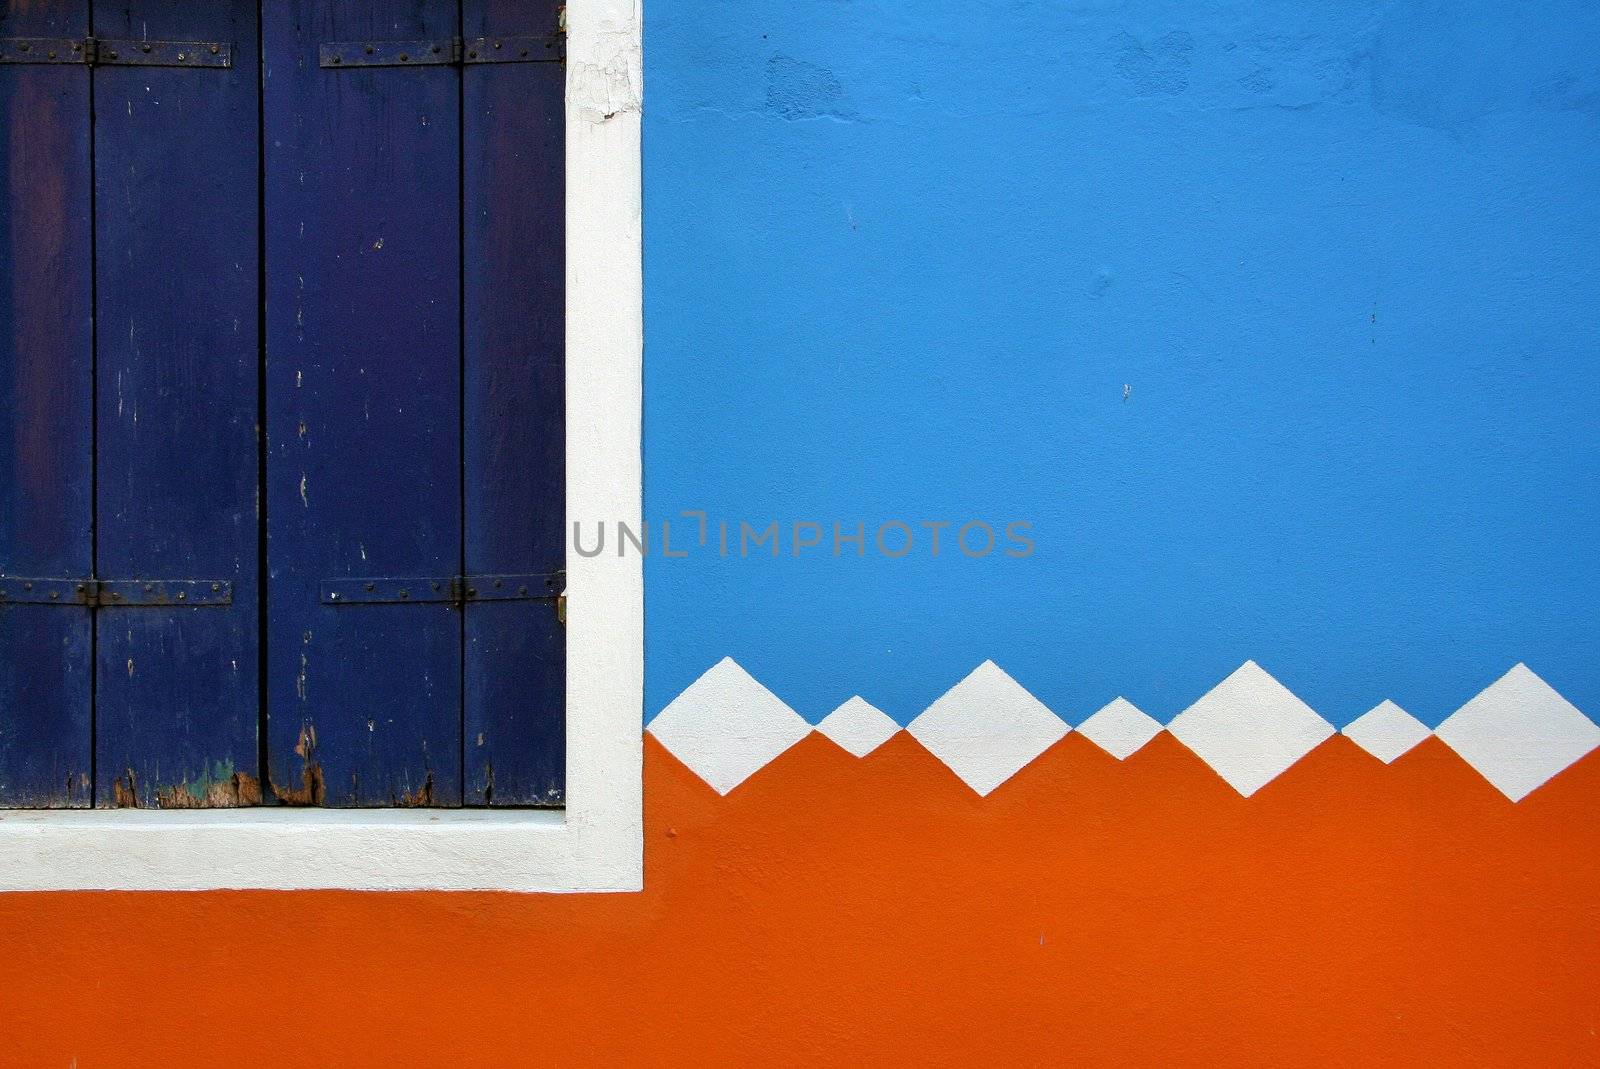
(800, 90)
(1163, 67)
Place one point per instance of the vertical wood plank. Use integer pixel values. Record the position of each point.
(177, 703)
(513, 178)
(46, 422)
(363, 399)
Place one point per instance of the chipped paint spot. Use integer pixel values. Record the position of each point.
(220, 787)
(422, 797)
(238, 789)
(125, 791)
(312, 788)
(605, 80)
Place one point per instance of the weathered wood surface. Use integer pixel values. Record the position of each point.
(411, 425)
(177, 708)
(514, 216)
(363, 405)
(46, 423)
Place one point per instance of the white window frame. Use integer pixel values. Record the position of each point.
(597, 842)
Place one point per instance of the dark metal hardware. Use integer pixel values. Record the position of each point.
(162, 53)
(42, 50)
(139, 592)
(538, 48)
(115, 593)
(544, 48)
(388, 54)
(455, 590)
(112, 52)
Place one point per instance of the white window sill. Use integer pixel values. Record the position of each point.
(597, 842)
(284, 849)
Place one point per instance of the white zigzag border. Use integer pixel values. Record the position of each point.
(1517, 733)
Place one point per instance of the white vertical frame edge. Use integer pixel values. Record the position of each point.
(597, 843)
(605, 403)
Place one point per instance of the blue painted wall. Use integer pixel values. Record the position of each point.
(1280, 322)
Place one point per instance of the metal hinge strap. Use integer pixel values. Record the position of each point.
(115, 52)
(453, 51)
(456, 589)
(115, 593)
(43, 50)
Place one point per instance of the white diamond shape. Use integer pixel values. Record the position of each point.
(726, 726)
(1120, 728)
(1249, 728)
(986, 727)
(1519, 732)
(1386, 731)
(858, 726)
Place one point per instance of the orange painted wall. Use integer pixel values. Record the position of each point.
(874, 911)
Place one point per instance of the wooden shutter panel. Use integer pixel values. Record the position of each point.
(177, 704)
(364, 406)
(46, 422)
(413, 407)
(515, 434)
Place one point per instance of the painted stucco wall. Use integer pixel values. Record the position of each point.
(835, 911)
(1277, 323)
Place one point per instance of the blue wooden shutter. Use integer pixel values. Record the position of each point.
(177, 342)
(393, 174)
(46, 422)
(130, 367)
(364, 406)
(514, 214)
(414, 408)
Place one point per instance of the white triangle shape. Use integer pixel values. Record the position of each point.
(1386, 731)
(858, 726)
(726, 726)
(1518, 733)
(1250, 728)
(987, 727)
(1120, 728)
